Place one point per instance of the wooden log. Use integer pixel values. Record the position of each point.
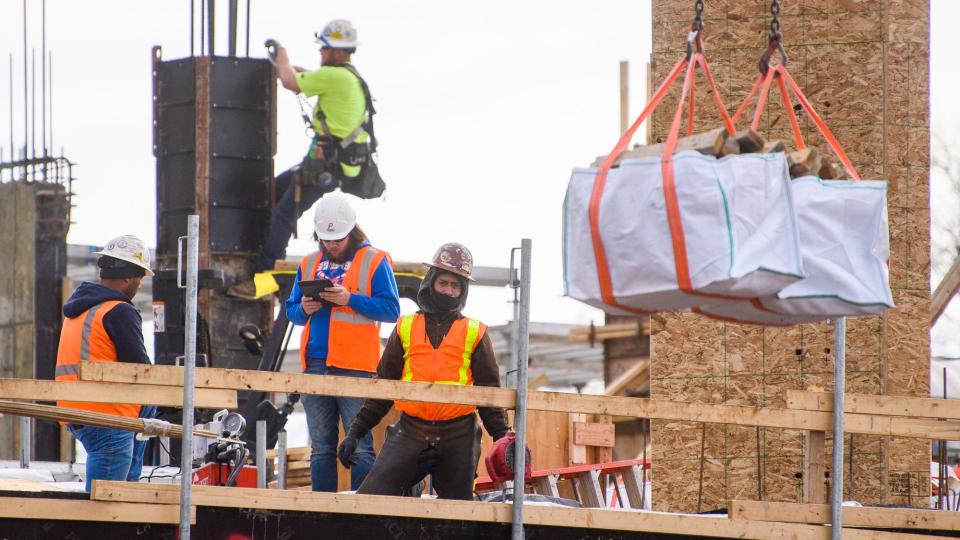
(803, 162)
(877, 405)
(827, 170)
(81, 510)
(593, 518)
(112, 392)
(541, 401)
(773, 146)
(853, 516)
(709, 143)
(749, 141)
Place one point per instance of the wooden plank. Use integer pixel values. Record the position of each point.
(879, 405)
(946, 290)
(626, 379)
(82, 510)
(593, 518)
(610, 331)
(578, 451)
(109, 392)
(542, 401)
(853, 516)
(593, 434)
(814, 467)
(634, 485)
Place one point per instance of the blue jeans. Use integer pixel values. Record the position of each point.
(283, 220)
(322, 423)
(112, 454)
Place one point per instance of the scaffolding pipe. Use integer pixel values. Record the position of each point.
(24, 442)
(211, 25)
(232, 28)
(282, 459)
(839, 376)
(189, 371)
(261, 454)
(520, 416)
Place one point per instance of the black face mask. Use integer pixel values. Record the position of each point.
(444, 302)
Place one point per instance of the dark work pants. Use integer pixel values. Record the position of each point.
(285, 215)
(414, 448)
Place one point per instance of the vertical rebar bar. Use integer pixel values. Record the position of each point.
(839, 378)
(189, 373)
(520, 415)
(13, 154)
(211, 25)
(43, 84)
(50, 97)
(203, 26)
(247, 39)
(33, 109)
(282, 459)
(192, 8)
(261, 454)
(24, 442)
(26, 115)
(232, 28)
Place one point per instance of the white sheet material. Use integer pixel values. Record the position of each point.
(740, 231)
(845, 247)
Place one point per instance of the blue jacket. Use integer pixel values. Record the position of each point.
(383, 306)
(122, 323)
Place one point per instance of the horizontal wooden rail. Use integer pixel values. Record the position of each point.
(853, 516)
(591, 518)
(103, 392)
(917, 407)
(505, 397)
(81, 510)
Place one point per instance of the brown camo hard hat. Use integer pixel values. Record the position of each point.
(454, 258)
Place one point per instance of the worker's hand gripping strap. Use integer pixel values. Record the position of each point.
(600, 182)
(783, 82)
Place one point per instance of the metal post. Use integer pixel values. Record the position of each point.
(165, 451)
(839, 376)
(189, 374)
(24, 442)
(232, 28)
(520, 414)
(282, 459)
(261, 454)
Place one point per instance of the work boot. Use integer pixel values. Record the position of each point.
(246, 290)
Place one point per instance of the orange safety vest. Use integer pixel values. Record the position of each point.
(354, 340)
(83, 339)
(447, 364)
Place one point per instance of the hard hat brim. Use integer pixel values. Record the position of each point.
(337, 43)
(333, 237)
(149, 272)
(450, 270)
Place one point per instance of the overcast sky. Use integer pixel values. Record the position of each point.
(484, 109)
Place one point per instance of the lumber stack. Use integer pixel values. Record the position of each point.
(298, 467)
(717, 142)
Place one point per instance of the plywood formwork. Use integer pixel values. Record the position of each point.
(864, 67)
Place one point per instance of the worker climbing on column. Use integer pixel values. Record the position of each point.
(342, 141)
(340, 293)
(436, 344)
(101, 324)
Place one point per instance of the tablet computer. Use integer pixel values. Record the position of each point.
(313, 288)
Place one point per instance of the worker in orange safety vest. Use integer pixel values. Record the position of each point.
(101, 324)
(436, 344)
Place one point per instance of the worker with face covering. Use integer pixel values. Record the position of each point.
(437, 344)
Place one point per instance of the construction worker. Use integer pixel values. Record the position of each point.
(341, 333)
(101, 324)
(340, 126)
(436, 344)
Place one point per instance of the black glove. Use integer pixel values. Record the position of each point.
(345, 451)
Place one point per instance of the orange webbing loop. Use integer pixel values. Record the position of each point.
(692, 107)
(762, 99)
(788, 105)
(599, 183)
(746, 100)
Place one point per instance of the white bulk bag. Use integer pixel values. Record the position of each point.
(844, 242)
(738, 221)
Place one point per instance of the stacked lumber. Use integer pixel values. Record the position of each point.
(611, 331)
(298, 467)
(718, 143)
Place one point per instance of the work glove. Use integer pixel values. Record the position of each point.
(345, 451)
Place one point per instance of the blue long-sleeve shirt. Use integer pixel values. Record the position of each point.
(383, 305)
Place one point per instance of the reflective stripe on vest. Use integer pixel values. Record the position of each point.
(406, 324)
(74, 369)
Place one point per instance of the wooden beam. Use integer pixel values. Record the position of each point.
(814, 467)
(945, 292)
(853, 516)
(82, 510)
(112, 392)
(878, 405)
(611, 331)
(640, 370)
(541, 401)
(592, 518)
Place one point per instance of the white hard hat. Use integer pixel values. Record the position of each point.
(338, 34)
(334, 218)
(128, 248)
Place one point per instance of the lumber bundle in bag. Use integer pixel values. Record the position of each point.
(716, 142)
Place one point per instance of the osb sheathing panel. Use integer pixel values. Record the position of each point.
(863, 64)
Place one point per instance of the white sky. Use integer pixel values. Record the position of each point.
(484, 109)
